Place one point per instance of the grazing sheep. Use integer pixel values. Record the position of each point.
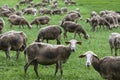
(72, 16)
(111, 19)
(47, 54)
(43, 11)
(70, 26)
(96, 21)
(30, 11)
(50, 33)
(6, 13)
(114, 42)
(2, 24)
(108, 67)
(13, 40)
(56, 11)
(64, 10)
(42, 20)
(18, 20)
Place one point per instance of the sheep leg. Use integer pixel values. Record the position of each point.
(47, 40)
(79, 35)
(7, 54)
(115, 51)
(17, 54)
(58, 39)
(111, 50)
(56, 70)
(61, 71)
(58, 42)
(74, 34)
(26, 67)
(35, 69)
(65, 34)
(10, 25)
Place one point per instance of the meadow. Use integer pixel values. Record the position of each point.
(75, 68)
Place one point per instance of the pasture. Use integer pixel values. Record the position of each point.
(75, 68)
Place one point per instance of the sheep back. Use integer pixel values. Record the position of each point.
(45, 54)
(50, 32)
(109, 67)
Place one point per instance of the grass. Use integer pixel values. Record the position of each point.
(75, 68)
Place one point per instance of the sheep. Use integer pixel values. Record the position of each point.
(18, 20)
(30, 11)
(72, 16)
(48, 54)
(108, 67)
(42, 20)
(57, 11)
(43, 11)
(2, 24)
(93, 13)
(13, 40)
(54, 6)
(114, 42)
(72, 2)
(109, 18)
(64, 10)
(70, 26)
(97, 20)
(6, 13)
(50, 33)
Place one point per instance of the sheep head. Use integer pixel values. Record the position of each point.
(89, 56)
(73, 43)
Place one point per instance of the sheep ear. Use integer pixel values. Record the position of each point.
(67, 42)
(96, 56)
(81, 56)
(79, 42)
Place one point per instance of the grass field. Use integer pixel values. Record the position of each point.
(75, 68)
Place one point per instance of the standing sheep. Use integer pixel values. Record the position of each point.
(18, 20)
(13, 40)
(41, 20)
(108, 67)
(70, 26)
(50, 33)
(30, 11)
(47, 54)
(72, 16)
(114, 42)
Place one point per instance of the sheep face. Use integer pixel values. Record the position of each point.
(73, 43)
(89, 56)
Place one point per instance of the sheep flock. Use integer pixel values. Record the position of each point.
(26, 25)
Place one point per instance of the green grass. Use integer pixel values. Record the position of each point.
(75, 68)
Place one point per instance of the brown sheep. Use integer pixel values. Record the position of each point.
(13, 40)
(50, 33)
(56, 11)
(18, 20)
(70, 26)
(42, 20)
(44, 11)
(32, 11)
(108, 67)
(48, 54)
(72, 16)
(2, 24)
